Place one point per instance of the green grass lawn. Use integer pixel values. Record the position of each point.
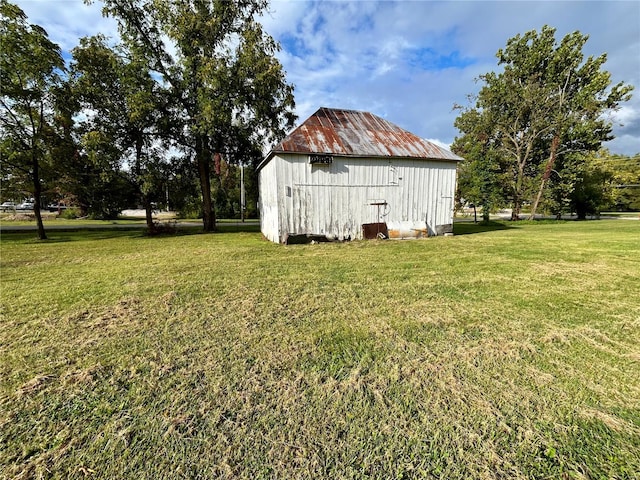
(53, 221)
(509, 351)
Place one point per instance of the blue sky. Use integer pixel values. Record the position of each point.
(407, 61)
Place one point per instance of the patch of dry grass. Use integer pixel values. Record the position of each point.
(511, 353)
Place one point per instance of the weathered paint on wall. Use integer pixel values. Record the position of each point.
(269, 217)
(413, 197)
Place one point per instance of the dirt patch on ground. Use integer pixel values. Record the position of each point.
(140, 213)
(26, 216)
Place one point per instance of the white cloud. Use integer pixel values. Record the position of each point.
(409, 61)
(68, 20)
(364, 50)
(446, 146)
(626, 115)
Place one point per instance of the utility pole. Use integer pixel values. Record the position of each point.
(242, 198)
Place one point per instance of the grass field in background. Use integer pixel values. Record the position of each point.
(509, 351)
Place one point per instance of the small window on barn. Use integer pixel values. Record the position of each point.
(393, 175)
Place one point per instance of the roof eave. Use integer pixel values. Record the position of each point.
(273, 153)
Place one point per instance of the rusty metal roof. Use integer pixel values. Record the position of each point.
(362, 134)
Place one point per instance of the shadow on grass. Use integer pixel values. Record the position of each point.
(468, 228)
(197, 230)
(71, 235)
(75, 234)
(238, 227)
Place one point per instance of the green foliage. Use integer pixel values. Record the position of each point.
(547, 102)
(592, 183)
(181, 185)
(227, 90)
(30, 68)
(94, 179)
(200, 77)
(227, 190)
(623, 193)
(480, 181)
(71, 213)
(126, 126)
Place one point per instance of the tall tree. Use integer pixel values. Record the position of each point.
(116, 86)
(548, 101)
(479, 178)
(220, 68)
(30, 69)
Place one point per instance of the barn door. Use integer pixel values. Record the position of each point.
(377, 228)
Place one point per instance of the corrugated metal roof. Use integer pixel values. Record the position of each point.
(362, 134)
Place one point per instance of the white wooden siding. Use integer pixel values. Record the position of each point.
(268, 185)
(335, 200)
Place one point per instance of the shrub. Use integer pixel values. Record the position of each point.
(71, 213)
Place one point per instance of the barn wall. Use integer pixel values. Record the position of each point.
(268, 185)
(413, 197)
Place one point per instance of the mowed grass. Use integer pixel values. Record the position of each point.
(504, 352)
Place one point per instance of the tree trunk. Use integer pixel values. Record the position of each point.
(486, 213)
(203, 158)
(242, 193)
(146, 202)
(517, 197)
(148, 214)
(581, 211)
(515, 211)
(37, 193)
(545, 176)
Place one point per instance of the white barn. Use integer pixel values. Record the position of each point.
(344, 175)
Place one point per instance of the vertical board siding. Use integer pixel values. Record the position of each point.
(336, 199)
(268, 186)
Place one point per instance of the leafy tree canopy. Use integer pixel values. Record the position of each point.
(547, 102)
(219, 67)
(30, 77)
(126, 108)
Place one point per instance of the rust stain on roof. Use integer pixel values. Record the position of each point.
(362, 134)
